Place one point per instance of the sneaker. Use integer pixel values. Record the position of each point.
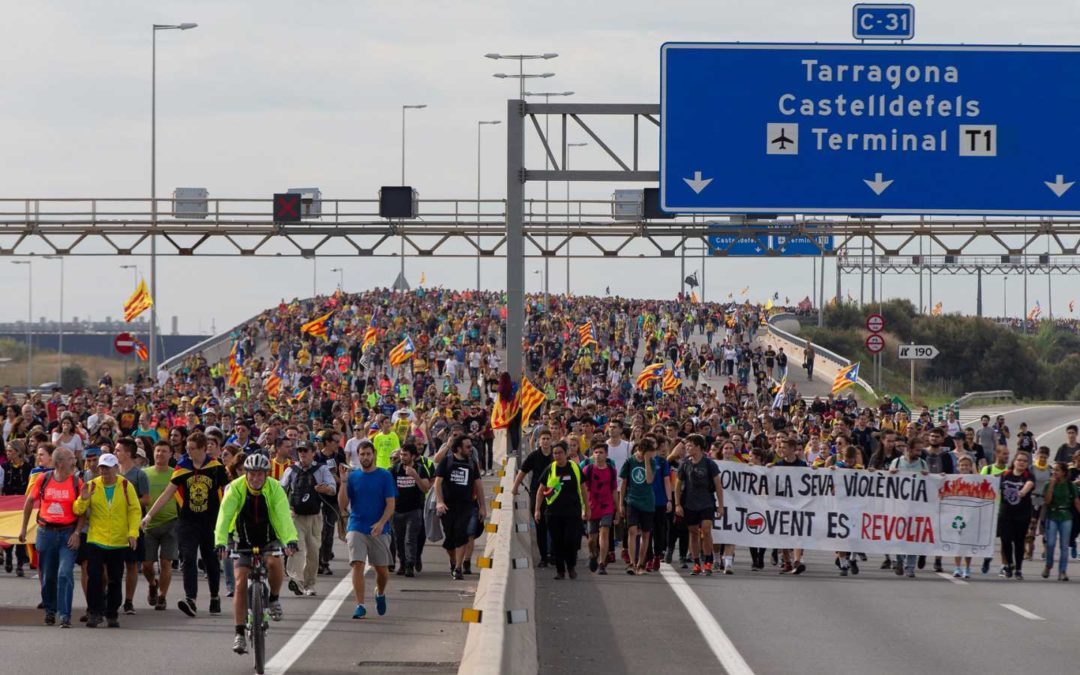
(937, 566)
(1062, 576)
(862, 556)
(696, 571)
(295, 587)
(683, 564)
(230, 594)
(161, 604)
(1046, 573)
(65, 622)
(93, 621)
(986, 566)
(843, 571)
(921, 563)
(151, 594)
(129, 607)
(610, 557)
(729, 569)
(84, 618)
(309, 592)
(911, 574)
(967, 572)
(571, 572)
(786, 568)
(957, 573)
(593, 565)
(19, 571)
(458, 576)
(1019, 576)
(626, 556)
(1008, 573)
(50, 619)
(854, 566)
(239, 644)
(1003, 572)
(603, 569)
(215, 605)
(799, 568)
(886, 564)
(669, 556)
(419, 565)
(708, 569)
(410, 571)
(359, 612)
(113, 623)
(466, 567)
(187, 606)
(898, 571)
(775, 558)
(276, 612)
(380, 604)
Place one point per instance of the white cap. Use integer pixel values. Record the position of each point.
(108, 459)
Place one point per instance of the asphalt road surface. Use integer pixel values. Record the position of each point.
(422, 631)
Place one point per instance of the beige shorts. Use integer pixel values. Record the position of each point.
(366, 548)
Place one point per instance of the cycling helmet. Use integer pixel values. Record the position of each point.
(256, 462)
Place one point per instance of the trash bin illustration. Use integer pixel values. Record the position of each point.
(966, 516)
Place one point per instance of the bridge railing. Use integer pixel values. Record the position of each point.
(835, 360)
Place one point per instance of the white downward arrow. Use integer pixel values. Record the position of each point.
(696, 183)
(1059, 187)
(877, 185)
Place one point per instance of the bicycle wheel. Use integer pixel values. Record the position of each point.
(258, 628)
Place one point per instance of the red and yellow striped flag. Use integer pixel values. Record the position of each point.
(139, 302)
(140, 349)
(317, 327)
(531, 399)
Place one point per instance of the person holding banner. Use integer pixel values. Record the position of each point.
(637, 474)
(789, 457)
(910, 461)
(964, 466)
(697, 493)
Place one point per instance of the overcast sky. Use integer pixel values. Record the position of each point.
(268, 95)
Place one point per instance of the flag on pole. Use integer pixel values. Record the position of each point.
(1072, 303)
(1035, 312)
(140, 349)
(139, 302)
(506, 408)
(650, 373)
(273, 382)
(745, 290)
(402, 352)
(531, 399)
(423, 278)
(236, 361)
(672, 379)
(371, 334)
(587, 334)
(847, 376)
(318, 327)
(936, 311)
(768, 304)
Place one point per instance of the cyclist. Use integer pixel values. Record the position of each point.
(256, 511)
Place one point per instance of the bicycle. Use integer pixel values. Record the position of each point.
(258, 600)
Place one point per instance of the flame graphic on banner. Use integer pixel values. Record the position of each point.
(961, 488)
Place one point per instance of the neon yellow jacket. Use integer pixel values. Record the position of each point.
(277, 505)
(111, 523)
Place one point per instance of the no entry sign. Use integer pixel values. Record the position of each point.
(875, 323)
(124, 343)
(875, 343)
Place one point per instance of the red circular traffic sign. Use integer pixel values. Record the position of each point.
(874, 343)
(875, 323)
(124, 343)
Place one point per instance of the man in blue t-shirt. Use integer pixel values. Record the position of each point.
(368, 498)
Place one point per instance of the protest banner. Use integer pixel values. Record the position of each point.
(863, 511)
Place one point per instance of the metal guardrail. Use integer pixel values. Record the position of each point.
(820, 351)
(967, 398)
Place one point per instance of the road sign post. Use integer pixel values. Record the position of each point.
(875, 343)
(869, 129)
(912, 353)
(124, 344)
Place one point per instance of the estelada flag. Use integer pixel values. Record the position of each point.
(531, 399)
(650, 373)
(317, 327)
(402, 352)
(139, 302)
(502, 412)
(141, 350)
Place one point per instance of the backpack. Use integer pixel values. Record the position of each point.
(303, 499)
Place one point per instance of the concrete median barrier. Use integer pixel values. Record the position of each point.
(502, 634)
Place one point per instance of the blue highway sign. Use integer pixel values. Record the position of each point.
(869, 129)
(872, 21)
(801, 245)
(730, 244)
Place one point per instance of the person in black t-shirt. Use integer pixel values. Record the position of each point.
(536, 464)
(458, 491)
(1016, 507)
(413, 480)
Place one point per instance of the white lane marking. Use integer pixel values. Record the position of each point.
(948, 577)
(1060, 426)
(714, 635)
(993, 414)
(306, 634)
(1022, 612)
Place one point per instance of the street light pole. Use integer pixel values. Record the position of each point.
(153, 186)
(567, 168)
(479, 125)
(522, 76)
(418, 106)
(29, 322)
(60, 367)
(547, 206)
